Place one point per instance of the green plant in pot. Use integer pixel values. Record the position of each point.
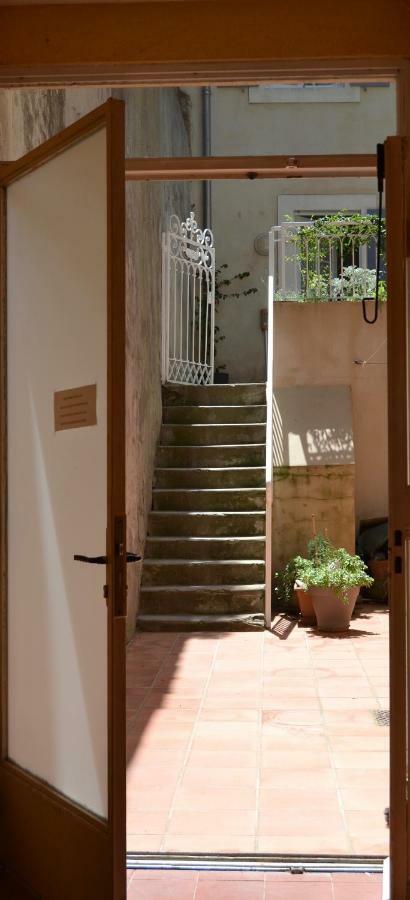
(290, 590)
(333, 580)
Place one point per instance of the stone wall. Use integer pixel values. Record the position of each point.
(300, 492)
(157, 124)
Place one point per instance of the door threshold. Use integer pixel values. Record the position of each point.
(241, 862)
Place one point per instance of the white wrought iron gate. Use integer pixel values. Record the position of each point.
(188, 303)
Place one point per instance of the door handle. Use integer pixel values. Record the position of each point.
(102, 560)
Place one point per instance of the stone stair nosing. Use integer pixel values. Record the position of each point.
(213, 415)
(215, 499)
(218, 599)
(160, 547)
(203, 456)
(217, 476)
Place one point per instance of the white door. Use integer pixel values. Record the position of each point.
(62, 771)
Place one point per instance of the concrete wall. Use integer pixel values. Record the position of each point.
(241, 210)
(301, 492)
(157, 123)
(317, 344)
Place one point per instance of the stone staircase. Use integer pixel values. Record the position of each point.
(204, 555)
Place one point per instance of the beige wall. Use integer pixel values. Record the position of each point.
(241, 210)
(157, 123)
(317, 344)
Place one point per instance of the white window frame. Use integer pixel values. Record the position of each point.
(303, 92)
(292, 204)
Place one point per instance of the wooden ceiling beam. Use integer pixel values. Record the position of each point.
(202, 168)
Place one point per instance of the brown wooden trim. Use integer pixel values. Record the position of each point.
(46, 841)
(60, 142)
(214, 72)
(3, 475)
(54, 796)
(361, 165)
(202, 167)
(398, 509)
(116, 501)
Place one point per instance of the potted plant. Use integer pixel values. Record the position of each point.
(290, 588)
(333, 580)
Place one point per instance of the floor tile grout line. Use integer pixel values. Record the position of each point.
(183, 765)
(329, 746)
(260, 754)
(196, 886)
(359, 660)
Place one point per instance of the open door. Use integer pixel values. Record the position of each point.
(62, 767)
(399, 509)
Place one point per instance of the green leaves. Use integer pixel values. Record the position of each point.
(325, 566)
(334, 568)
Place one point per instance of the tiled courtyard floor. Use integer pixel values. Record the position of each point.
(144, 885)
(262, 742)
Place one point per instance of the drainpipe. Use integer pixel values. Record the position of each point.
(206, 93)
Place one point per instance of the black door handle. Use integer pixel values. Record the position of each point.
(102, 560)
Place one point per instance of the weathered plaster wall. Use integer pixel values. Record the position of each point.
(317, 344)
(157, 123)
(300, 492)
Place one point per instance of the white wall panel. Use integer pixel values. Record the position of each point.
(56, 264)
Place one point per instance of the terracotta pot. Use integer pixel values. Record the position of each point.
(378, 568)
(306, 606)
(332, 613)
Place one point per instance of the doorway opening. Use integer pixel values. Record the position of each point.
(162, 667)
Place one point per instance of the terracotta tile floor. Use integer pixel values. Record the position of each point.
(260, 742)
(143, 885)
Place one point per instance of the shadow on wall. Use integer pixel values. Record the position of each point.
(312, 426)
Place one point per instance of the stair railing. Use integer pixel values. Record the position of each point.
(188, 303)
(269, 434)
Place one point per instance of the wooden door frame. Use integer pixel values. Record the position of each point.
(37, 819)
(218, 71)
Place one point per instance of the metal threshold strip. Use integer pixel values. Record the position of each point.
(239, 862)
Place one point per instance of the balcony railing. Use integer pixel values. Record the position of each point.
(330, 258)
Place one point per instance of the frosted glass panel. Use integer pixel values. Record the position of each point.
(57, 644)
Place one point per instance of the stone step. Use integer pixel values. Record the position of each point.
(210, 499)
(243, 622)
(212, 415)
(202, 571)
(214, 394)
(205, 548)
(219, 455)
(209, 435)
(222, 477)
(226, 599)
(202, 524)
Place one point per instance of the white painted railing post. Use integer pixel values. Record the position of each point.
(165, 307)
(269, 435)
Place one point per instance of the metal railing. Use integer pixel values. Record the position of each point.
(310, 265)
(188, 303)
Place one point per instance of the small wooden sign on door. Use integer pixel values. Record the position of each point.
(75, 408)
